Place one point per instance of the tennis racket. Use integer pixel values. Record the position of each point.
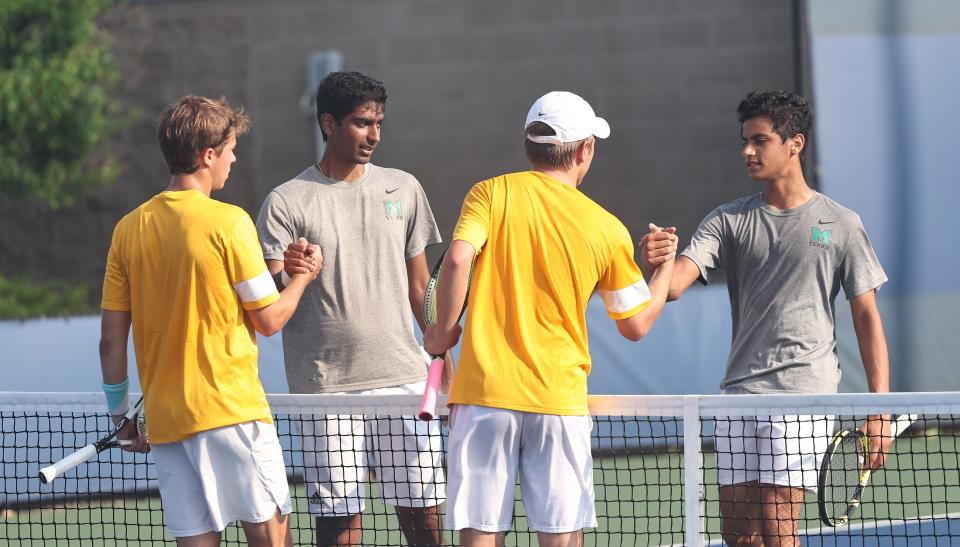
(53, 471)
(428, 405)
(843, 473)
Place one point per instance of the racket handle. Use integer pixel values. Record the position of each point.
(51, 472)
(428, 406)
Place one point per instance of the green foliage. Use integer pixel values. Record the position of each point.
(55, 112)
(23, 299)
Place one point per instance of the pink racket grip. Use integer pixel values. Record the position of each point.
(428, 406)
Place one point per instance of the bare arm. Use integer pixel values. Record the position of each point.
(299, 257)
(657, 252)
(637, 326)
(418, 273)
(876, 364)
(114, 331)
(872, 341)
(275, 267)
(417, 277)
(270, 319)
(685, 272)
(452, 290)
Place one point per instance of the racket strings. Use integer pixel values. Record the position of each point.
(843, 481)
(430, 296)
(430, 303)
(142, 426)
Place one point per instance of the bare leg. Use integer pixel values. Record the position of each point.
(421, 525)
(568, 539)
(210, 539)
(741, 516)
(781, 506)
(271, 533)
(339, 531)
(470, 537)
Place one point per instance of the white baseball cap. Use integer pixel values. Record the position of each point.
(571, 117)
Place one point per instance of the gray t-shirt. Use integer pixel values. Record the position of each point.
(784, 270)
(353, 329)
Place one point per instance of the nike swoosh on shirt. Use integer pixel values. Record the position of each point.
(394, 190)
(826, 221)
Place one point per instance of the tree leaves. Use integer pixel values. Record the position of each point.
(22, 298)
(56, 114)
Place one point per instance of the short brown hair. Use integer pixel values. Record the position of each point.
(193, 124)
(550, 156)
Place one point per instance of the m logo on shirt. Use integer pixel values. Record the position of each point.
(820, 238)
(393, 210)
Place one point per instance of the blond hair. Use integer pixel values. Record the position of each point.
(194, 124)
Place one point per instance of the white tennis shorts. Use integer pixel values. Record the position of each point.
(404, 453)
(220, 476)
(783, 450)
(488, 447)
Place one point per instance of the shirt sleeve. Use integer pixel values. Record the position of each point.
(116, 283)
(275, 227)
(707, 246)
(473, 226)
(246, 268)
(624, 291)
(860, 269)
(421, 225)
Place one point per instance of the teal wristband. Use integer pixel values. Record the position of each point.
(118, 401)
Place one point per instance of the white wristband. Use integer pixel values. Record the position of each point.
(285, 279)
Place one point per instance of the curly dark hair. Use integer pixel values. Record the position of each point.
(340, 93)
(789, 112)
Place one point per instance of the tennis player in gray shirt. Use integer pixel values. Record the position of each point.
(786, 251)
(354, 330)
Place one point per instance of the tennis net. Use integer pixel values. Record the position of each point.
(656, 469)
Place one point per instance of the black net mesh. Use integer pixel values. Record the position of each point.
(639, 479)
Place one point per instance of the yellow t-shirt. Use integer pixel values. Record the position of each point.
(186, 266)
(544, 247)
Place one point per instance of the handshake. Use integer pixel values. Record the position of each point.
(302, 258)
(657, 248)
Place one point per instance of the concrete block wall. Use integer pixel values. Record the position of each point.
(461, 74)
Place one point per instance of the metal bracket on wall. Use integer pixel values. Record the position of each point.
(319, 64)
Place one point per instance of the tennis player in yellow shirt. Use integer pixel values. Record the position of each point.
(187, 272)
(519, 396)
